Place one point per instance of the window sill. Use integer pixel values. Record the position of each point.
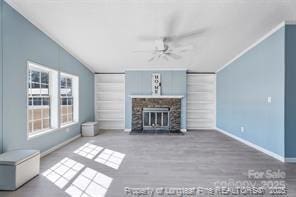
(35, 135)
(32, 136)
(69, 124)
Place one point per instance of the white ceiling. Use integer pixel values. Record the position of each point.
(103, 34)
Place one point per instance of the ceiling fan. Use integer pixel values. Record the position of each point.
(169, 46)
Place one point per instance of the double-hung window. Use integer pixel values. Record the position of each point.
(41, 99)
(68, 99)
(38, 100)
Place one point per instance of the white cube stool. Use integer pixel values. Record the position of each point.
(17, 167)
(90, 129)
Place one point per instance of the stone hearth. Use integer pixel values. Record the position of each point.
(174, 104)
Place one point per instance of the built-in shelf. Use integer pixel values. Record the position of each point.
(110, 119)
(200, 111)
(200, 102)
(155, 96)
(109, 110)
(110, 100)
(115, 84)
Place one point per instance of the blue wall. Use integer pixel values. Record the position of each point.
(242, 91)
(139, 83)
(290, 97)
(22, 42)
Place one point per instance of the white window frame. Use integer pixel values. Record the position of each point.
(53, 93)
(75, 95)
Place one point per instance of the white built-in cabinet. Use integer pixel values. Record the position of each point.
(201, 101)
(109, 100)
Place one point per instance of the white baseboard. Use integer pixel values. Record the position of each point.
(259, 148)
(200, 129)
(290, 159)
(43, 154)
(129, 130)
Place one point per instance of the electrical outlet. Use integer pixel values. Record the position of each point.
(242, 129)
(269, 99)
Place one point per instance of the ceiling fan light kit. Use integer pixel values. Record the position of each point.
(159, 45)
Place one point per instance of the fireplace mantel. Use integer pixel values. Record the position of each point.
(155, 96)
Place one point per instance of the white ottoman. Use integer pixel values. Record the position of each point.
(17, 167)
(90, 129)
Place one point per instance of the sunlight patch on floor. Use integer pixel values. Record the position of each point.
(110, 158)
(89, 183)
(88, 150)
(61, 173)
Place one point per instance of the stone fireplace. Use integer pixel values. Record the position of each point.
(157, 118)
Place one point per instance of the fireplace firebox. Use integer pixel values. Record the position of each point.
(157, 118)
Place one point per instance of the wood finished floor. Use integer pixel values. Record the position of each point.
(199, 158)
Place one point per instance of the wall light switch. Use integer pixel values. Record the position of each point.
(242, 129)
(269, 99)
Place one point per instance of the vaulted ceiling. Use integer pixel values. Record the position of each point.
(104, 34)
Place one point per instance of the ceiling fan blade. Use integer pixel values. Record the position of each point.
(149, 38)
(184, 48)
(188, 35)
(174, 56)
(172, 24)
(152, 58)
(144, 51)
